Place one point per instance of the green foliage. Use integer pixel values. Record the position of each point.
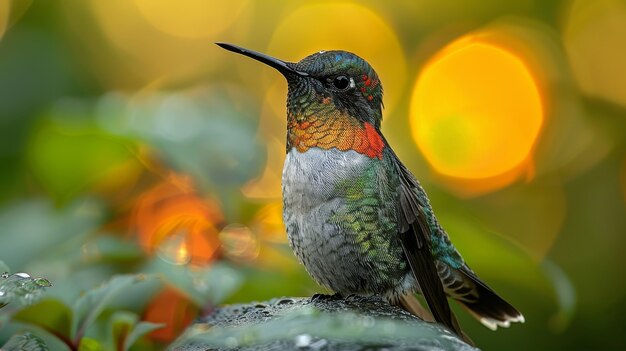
(17, 291)
(89, 306)
(20, 289)
(72, 323)
(126, 329)
(25, 342)
(50, 315)
(99, 319)
(207, 285)
(95, 156)
(221, 155)
(25, 240)
(106, 317)
(90, 344)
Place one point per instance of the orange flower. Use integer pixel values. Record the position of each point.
(173, 309)
(173, 221)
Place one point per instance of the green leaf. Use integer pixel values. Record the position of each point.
(89, 344)
(141, 329)
(121, 324)
(33, 229)
(89, 306)
(125, 329)
(96, 155)
(25, 342)
(20, 289)
(211, 284)
(50, 315)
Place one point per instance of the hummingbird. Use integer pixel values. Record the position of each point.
(356, 217)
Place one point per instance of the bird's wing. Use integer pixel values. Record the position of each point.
(436, 278)
(415, 235)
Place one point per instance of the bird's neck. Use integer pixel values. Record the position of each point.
(333, 130)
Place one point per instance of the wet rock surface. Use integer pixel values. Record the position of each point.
(322, 322)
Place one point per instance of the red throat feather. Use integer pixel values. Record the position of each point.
(342, 133)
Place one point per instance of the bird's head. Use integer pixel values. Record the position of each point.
(333, 83)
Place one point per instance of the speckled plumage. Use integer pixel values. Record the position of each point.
(356, 218)
(339, 221)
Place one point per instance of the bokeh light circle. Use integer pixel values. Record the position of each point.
(340, 26)
(10, 12)
(155, 43)
(191, 18)
(476, 111)
(5, 8)
(594, 36)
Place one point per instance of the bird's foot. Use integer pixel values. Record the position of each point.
(336, 296)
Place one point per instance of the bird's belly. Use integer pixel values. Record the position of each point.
(312, 198)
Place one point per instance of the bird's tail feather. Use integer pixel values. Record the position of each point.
(489, 308)
(411, 304)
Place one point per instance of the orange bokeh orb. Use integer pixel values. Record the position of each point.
(173, 222)
(476, 111)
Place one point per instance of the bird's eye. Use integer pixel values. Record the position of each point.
(341, 82)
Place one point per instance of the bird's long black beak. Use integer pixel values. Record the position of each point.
(280, 65)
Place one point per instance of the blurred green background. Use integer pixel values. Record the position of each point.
(131, 144)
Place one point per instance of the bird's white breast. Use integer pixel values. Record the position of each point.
(310, 178)
(312, 194)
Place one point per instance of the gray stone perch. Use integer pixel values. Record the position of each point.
(319, 323)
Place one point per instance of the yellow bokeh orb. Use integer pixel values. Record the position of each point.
(476, 111)
(340, 26)
(155, 43)
(191, 18)
(594, 35)
(4, 16)
(10, 12)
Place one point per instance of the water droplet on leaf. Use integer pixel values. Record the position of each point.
(284, 301)
(303, 340)
(43, 282)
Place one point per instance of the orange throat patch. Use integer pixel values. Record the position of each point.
(342, 133)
